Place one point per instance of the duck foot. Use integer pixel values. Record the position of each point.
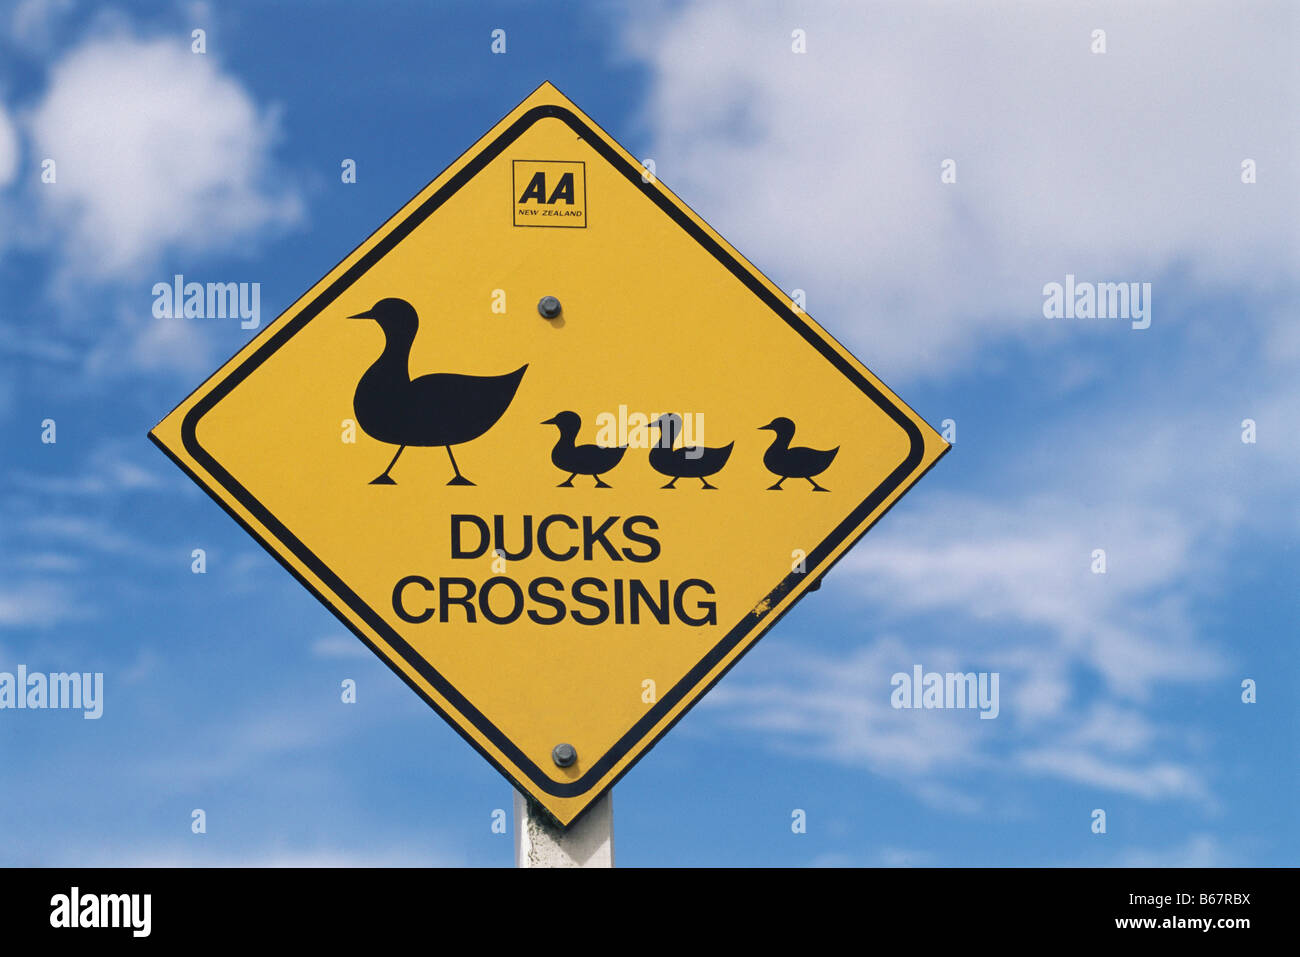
(708, 486)
(600, 484)
(776, 487)
(384, 479)
(568, 482)
(818, 488)
(459, 479)
(672, 484)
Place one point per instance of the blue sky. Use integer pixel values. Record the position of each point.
(1119, 691)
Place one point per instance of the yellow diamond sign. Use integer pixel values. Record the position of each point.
(552, 448)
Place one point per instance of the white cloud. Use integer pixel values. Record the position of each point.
(313, 857)
(838, 709)
(278, 854)
(33, 21)
(1153, 779)
(40, 604)
(825, 166)
(161, 344)
(8, 148)
(52, 562)
(1026, 567)
(92, 533)
(339, 646)
(109, 469)
(157, 150)
(1199, 850)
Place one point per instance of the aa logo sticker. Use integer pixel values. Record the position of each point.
(550, 193)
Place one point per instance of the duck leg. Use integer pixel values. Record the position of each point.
(816, 487)
(672, 484)
(707, 485)
(777, 486)
(384, 479)
(600, 484)
(459, 479)
(568, 482)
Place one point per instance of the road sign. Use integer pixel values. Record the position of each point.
(552, 448)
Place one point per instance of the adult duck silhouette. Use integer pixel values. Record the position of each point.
(568, 456)
(443, 408)
(690, 461)
(785, 462)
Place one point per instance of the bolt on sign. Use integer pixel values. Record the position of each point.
(552, 448)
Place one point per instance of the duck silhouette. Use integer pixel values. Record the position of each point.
(568, 456)
(690, 461)
(443, 408)
(785, 462)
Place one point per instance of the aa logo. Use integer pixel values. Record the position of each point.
(550, 193)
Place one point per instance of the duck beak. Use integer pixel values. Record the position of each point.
(362, 315)
(767, 427)
(550, 421)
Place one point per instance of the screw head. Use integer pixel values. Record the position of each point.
(564, 755)
(549, 307)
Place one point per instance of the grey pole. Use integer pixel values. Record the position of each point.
(587, 843)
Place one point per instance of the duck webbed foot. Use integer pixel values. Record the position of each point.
(600, 484)
(459, 479)
(568, 482)
(384, 479)
(818, 488)
(705, 483)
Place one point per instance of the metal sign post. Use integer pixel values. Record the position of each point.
(588, 842)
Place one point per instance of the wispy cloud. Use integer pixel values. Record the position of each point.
(32, 23)
(1026, 567)
(837, 708)
(281, 853)
(1198, 850)
(339, 646)
(107, 470)
(41, 604)
(8, 148)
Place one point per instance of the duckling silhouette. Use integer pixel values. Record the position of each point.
(785, 462)
(593, 460)
(690, 461)
(443, 408)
